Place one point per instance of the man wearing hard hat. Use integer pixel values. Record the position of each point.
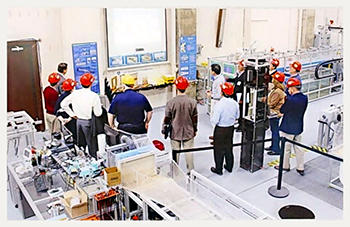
(84, 103)
(181, 112)
(129, 108)
(224, 116)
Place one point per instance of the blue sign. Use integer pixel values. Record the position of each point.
(85, 61)
(188, 57)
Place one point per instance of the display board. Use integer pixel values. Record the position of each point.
(135, 36)
(188, 57)
(85, 61)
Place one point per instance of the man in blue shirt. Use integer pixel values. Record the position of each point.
(294, 70)
(224, 116)
(292, 124)
(129, 108)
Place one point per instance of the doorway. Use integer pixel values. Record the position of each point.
(24, 91)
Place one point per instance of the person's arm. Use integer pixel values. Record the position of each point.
(216, 115)
(148, 118)
(111, 120)
(195, 119)
(287, 105)
(65, 106)
(96, 106)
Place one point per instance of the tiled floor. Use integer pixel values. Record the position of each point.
(252, 187)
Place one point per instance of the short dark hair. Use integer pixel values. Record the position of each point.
(53, 84)
(216, 68)
(225, 95)
(62, 66)
(85, 86)
(182, 90)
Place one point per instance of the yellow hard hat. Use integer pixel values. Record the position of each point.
(128, 79)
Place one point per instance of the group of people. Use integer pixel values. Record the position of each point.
(285, 101)
(130, 111)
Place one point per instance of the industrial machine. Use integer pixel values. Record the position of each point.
(255, 121)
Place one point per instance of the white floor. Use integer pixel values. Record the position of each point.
(252, 187)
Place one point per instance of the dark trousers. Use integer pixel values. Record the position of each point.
(85, 137)
(240, 119)
(223, 140)
(275, 134)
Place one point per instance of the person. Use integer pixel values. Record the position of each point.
(275, 100)
(62, 70)
(294, 70)
(239, 84)
(272, 70)
(50, 98)
(85, 103)
(181, 112)
(215, 92)
(292, 124)
(68, 86)
(225, 114)
(129, 109)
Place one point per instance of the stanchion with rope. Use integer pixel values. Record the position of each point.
(279, 191)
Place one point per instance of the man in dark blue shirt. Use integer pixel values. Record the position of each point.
(292, 124)
(129, 109)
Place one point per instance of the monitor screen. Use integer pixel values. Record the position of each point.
(26, 153)
(229, 69)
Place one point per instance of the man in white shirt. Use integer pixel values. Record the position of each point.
(225, 114)
(215, 93)
(84, 103)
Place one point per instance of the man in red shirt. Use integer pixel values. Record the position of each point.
(50, 98)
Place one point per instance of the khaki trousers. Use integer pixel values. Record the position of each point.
(176, 145)
(299, 153)
(49, 123)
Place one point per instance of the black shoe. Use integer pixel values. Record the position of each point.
(277, 167)
(268, 149)
(273, 153)
(214, 170)
(230, 171)
(301, 172)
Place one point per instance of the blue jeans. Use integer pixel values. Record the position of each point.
(274, 127)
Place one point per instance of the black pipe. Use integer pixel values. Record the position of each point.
(174, 152)
(280, 169)
(325, 62)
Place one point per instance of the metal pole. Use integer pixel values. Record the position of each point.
(279, 191)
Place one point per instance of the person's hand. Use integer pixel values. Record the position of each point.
(209, 94)
(195, 134)
(240, 102)
(75, 117)
(263, 99)
(146, 125)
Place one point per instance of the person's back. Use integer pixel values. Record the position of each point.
(182, 109)
(293, 111)
(130, 107)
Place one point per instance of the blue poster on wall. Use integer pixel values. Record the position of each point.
(85, 61)
(188, 57)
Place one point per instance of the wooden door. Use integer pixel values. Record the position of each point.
(24, 91)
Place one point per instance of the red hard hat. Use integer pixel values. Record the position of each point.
(296, 65)
(68, 84)
(54, 78)
(158, 144)
(279, 76)
(292, 82)
(275, 62)
(87, 79)
(227, 88)
(181, 83)
(241, 62)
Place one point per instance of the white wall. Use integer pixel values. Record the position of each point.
(59, 28)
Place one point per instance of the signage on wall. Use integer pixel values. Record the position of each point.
(188, 57)
(85, 61)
